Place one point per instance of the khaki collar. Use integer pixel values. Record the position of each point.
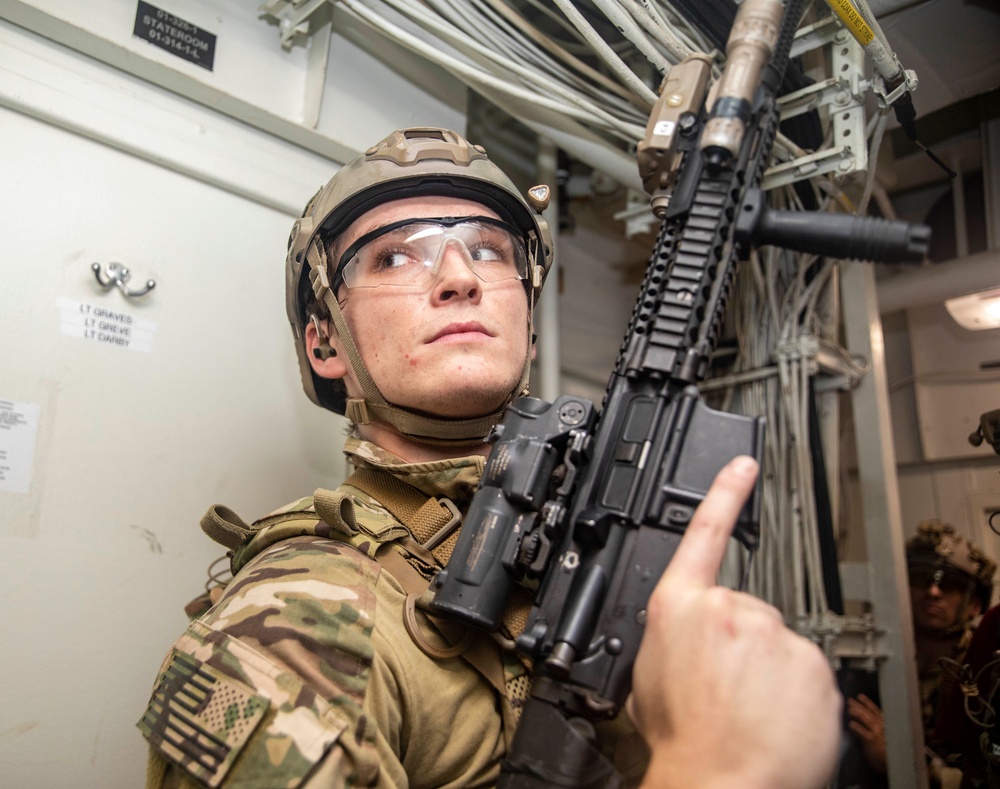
(454, 478)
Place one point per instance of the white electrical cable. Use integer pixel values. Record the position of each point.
(574, 64)
(524, 40)
(606, 53)
(654, 13)
(690, 35)
(654, 25)
(868, 15)
(777, 307)
(478, 76)
(522, 55)
(884, 60)
(479, 28)
(631, 30)
(626, 130)
(562, 22)
(873, 149)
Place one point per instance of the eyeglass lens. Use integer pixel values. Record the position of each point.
(410, 254)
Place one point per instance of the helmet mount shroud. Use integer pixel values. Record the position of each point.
(415, 162)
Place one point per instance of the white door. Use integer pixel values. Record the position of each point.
(183, 398)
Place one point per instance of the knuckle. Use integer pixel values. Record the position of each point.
(719, 599)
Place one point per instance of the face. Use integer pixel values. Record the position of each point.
(940, 602)
(453, 347)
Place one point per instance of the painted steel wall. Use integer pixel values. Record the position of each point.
(191, 397)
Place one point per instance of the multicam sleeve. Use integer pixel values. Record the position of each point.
(266, 689)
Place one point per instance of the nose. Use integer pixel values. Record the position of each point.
(454, 278)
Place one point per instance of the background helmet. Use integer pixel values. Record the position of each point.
(408, 163)
(937, 544)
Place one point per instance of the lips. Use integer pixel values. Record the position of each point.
(453, 329)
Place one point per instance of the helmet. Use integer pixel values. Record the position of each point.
(937, 545)
(408, 163)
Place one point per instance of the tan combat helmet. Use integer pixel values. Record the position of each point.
(408, 163)
(937, 545)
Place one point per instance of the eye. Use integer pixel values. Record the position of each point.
(487, 254)
(392, 259)
(492, 248)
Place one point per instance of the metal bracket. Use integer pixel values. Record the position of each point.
(908, 85)
(637, 214)
(292, 17)
(853, 638)
(836, 369)
(842, 96)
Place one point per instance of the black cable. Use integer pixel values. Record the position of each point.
(824, 515)
(906, 114)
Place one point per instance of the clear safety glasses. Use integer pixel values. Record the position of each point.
(409, 253)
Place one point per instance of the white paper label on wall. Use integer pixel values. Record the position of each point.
(108, 327)
(18, 430)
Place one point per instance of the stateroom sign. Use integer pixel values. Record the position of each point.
(178, 37)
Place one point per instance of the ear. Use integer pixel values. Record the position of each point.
(335, 366)
(975, 608)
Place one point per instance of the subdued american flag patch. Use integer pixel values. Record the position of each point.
(199, 718)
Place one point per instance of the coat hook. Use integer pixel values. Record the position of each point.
(118, 276)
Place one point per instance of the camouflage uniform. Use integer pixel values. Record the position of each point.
(304, 675)
(938, 546)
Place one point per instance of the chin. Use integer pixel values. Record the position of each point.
(463, 402)
(467, 410)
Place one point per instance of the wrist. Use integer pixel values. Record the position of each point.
(673, 771)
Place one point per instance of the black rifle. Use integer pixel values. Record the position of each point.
(592, 509)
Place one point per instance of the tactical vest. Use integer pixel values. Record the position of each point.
(412, 545)
(411, 535)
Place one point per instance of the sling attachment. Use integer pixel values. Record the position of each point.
(413, 628)
(228, 529)
(433, 522)
(445, 531)
(225, 527)
(415, 585)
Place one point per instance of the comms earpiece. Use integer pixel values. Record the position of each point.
(324, 350)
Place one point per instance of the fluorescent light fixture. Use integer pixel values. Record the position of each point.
(977, 310)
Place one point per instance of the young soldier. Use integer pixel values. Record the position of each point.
(950, 586)
(411, 280)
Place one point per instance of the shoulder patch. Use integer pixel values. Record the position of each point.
(228, 715)
(200, 719)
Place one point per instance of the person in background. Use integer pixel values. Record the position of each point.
(950, 586)
(411, 283)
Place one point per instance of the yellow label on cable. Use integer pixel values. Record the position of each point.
(852, 21)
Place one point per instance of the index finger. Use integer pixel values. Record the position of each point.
(699, 555)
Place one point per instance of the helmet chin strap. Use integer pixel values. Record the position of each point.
(428, 430)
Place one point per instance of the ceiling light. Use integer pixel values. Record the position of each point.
(977, 310)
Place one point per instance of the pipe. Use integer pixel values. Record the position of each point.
(547, 318)
(939, 281)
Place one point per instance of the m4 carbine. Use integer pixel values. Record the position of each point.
(592, 507)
